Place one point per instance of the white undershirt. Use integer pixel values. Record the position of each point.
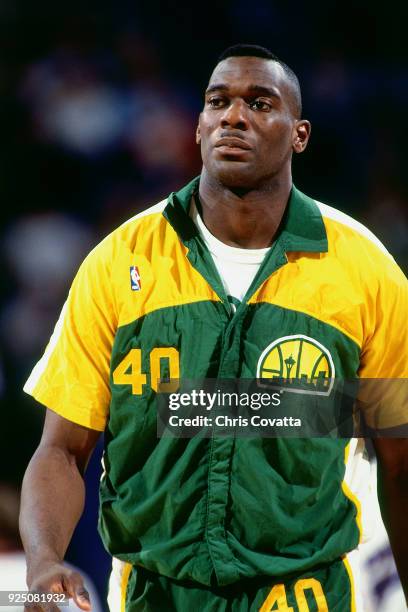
(236, 267)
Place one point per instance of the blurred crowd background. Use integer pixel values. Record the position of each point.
(98, 107)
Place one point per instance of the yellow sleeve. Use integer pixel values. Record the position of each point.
(72, 377)
(384, 357)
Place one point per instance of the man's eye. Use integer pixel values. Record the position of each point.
(260, 105)
(215, 102)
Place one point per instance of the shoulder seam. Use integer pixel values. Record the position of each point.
(153, 210)
(340, 217)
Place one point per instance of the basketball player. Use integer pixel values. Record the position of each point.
(233, 274)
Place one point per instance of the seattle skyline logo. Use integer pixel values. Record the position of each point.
(297, 363)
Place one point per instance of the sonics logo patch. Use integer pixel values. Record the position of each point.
(299, 364)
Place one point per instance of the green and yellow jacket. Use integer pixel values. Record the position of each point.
(148, 303)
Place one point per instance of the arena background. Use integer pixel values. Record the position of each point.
(98, 106)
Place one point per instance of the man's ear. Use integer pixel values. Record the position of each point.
(301, 135)
(198, 134)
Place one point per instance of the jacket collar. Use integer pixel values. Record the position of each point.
(302, 227)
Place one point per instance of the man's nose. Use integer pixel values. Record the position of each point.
(235, 115)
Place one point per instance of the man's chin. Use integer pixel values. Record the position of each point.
(235, 175)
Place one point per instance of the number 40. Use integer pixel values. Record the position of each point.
(277, 597)
(129, 370)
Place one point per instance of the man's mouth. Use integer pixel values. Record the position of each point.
(231, 142)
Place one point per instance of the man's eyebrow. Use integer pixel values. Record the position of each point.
(216, 87)
(251, 89)
(264, 91)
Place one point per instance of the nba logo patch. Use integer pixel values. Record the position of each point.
(135, 282)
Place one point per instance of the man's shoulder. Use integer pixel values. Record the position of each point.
(129, 237)
(154, 210)
(356, 247)
(147, 217)
(340, 225)
(126, 232)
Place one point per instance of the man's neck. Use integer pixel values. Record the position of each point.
(247, 219)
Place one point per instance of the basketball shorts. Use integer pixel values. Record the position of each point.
(329, 588)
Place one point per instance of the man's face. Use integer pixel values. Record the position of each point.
(248, 127)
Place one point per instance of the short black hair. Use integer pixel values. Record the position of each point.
(242, 50)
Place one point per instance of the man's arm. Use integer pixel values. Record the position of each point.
(392, 456)
(52, 502)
